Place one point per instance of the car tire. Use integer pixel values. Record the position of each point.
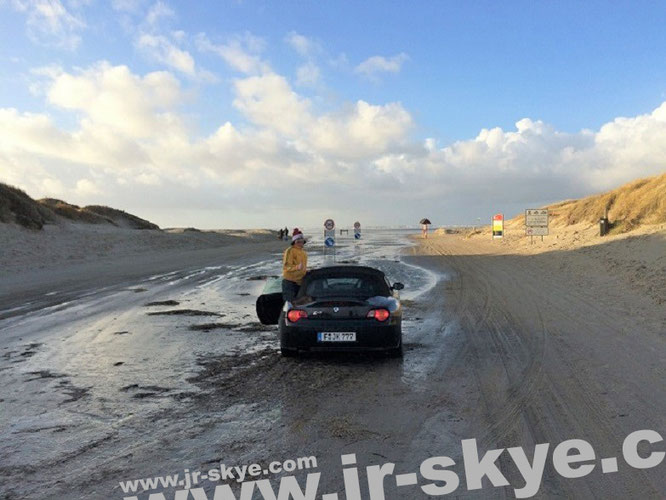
(288, 353)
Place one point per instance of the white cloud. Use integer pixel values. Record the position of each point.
(270, 102)
(33, 132)
(49, 23)
(114, 97)
(86, 187)
(305, 46)
(362, 131)
(359, 130)
(537, 162)
(625, 145)
(165, 46)
(77, 4)
(157, 12)
(179, 35)
(161, 49)
(339, 62)
(374, 65)
(308, 74)
(241, 52)
(132, 6)
(54, 187)
(131, 140)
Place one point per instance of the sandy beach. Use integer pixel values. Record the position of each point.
(628, 261)
(107, 331)
(332, 250)
(565, 337)
(506, 342)
(65, 243)
(42, 267)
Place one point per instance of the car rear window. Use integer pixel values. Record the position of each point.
(356, 286)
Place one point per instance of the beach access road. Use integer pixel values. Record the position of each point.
(560, 346)
(158, 374)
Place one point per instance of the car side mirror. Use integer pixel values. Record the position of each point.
(398, 286)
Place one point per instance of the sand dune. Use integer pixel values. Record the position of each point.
(16, 207)
(50, 233)
(65, 244)
(634, 251)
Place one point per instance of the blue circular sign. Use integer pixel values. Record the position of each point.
(329, 242)
(357, 236)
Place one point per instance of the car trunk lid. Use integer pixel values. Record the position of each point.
(334, 308)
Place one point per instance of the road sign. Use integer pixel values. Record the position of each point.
(329, 237)
(329, 224)
(536, 222)
(498, 225)
(357, 235)
(357, 225)
(536, 217)
(536, 230)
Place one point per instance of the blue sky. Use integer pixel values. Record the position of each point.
(215, 114)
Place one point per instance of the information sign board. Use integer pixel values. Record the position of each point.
(536, 222)
(498, 225)
(536, 230)
(536, 217)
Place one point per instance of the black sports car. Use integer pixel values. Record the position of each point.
(338, 308)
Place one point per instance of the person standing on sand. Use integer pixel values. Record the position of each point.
(294, 266)
(286, 233)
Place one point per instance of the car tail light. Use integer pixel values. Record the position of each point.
(295, 314)
(379, 314)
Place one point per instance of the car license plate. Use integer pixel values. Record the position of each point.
(336, 337)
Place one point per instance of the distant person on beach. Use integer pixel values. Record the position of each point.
(294, 266)
(286, 233)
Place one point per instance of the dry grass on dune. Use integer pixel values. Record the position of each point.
(637, 203)
(73, 212)
(96, 214)
(120, 217)
(17, 207)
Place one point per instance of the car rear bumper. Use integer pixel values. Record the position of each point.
(368, 338)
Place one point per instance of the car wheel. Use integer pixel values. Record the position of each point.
(288, 353)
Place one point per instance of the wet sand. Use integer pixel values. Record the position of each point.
(511, 349)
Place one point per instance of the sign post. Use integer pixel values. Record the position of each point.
(536, 223)
(498, 225)
(357, 230)
(329, 237)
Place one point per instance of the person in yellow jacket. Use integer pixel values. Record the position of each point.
(294, 266)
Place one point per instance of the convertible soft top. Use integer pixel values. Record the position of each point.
(269, 303)
(344, 270)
